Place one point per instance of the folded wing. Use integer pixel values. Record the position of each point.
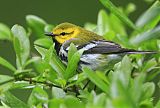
(108, 47)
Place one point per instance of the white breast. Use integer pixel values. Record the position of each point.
(99, 61)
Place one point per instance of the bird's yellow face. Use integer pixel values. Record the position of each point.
(64, 32)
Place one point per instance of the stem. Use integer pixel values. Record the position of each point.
(30, 80)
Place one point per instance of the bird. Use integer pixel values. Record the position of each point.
(99, 53)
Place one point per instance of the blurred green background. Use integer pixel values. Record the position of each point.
(54, 12)
(57, 11)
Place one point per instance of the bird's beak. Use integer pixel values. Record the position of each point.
(50, 34)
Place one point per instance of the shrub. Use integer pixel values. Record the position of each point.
(130, 84)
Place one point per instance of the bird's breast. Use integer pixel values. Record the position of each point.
(99, 61)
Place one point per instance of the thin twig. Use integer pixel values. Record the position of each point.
(32, 81)
(45, 83)
(40, 82)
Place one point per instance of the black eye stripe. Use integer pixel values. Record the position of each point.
(64, 33)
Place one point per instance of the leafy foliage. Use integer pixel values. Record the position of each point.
(131, 83)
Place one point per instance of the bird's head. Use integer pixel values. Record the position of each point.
(64, 32)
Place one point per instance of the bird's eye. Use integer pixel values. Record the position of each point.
(63, 33)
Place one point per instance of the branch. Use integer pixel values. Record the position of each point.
(31, 81)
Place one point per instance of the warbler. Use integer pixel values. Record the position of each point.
(98, 54)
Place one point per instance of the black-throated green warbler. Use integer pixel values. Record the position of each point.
(98, 52)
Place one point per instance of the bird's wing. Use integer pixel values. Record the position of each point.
(102, 47)
(105, 47)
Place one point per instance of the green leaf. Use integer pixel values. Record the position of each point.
(146, 36)
(38, 96)
(150, 64)
(148, 90)
(4, 105)
(97, 100)
(120, 95)
(17, 49)
(44, 42)
(137, 85)
(130, 8)
(61, 81)
(42, 65)
(150, 18)
(49, 54)
(110, 35)
(123, 71)
(124, 40)
(102, 76)
(5, 79)
(67, 102)
(157, 104)
(32, 60)
(12, 101)
(5, 86)
(95, 79)
(146, 104)
(57, 65)
(77, 79)
(5, 33)
(6, 83)
(116, 25)
(72, 102)
(50, 73)
(90, 26)
(6, 64)
(120, 84)
(72, 64)
(72, 50)
(48, 28)
(22, 85)
(58, 92)
(54, 62)
(42, 51)
(108, 4)
(36, 24)
(25, 73)
(102, 23)
(22, 47)
(55, 103)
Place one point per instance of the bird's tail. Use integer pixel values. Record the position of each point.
(131, 51)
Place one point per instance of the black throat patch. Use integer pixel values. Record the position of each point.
(57, 45)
